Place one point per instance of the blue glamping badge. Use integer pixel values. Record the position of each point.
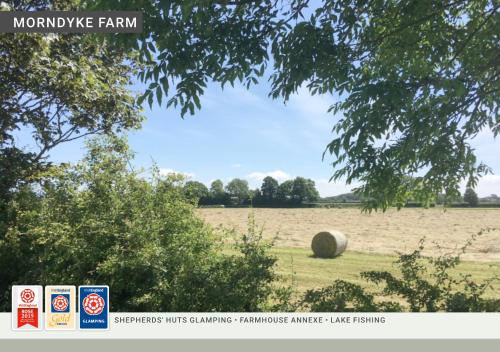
(94, 307)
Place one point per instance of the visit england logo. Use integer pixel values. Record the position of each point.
(60, 307)
(94, 307)
(60, 303)
(27, 307)
(93, 304)
(27, 295)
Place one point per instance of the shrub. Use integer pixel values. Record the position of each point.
(344, 296)
(100, 223)
(424, 284)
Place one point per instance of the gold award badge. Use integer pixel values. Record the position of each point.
(60, 307)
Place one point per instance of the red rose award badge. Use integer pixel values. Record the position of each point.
(26, 307)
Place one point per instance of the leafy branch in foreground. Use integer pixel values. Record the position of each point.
(416, 81)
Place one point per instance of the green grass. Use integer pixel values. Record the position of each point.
(312, 272)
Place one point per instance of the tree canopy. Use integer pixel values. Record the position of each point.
(291, 193)
(269, 189)
(285, 191)
(470, 197)
(57, 88)
(304, 190)
(238, 190)
(412, 82)
(195, 190)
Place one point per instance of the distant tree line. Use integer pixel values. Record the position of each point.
(301, 191)
(237, 192)
(469, 199)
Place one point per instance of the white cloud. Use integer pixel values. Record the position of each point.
(486, 185)
(328, 189)
(167, 171)
(279, 175)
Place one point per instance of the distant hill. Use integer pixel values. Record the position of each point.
(353, 198)
(342, 198)
(490, 199)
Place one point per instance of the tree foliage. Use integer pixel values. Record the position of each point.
(285, 190)
(217, 194)
(470, 197)
(196, 190)
(415, 80)
(304, 190)
(238, 191)
(56, 88)
(217, 188)
(291, 193)
(269, 190)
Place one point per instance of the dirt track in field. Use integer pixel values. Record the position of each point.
(385, 233)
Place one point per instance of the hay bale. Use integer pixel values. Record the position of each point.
(328, 244)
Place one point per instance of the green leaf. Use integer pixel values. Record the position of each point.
(158, 94)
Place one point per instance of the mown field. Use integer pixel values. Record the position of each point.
(374, 240)
(375, 233)
(308, 272)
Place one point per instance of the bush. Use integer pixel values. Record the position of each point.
(344, 296)
(100, 223)
(425, 284)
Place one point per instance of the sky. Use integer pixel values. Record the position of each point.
(245, 134)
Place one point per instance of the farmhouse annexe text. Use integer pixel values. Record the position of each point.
(72, 22)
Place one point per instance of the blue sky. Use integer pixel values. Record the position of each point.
(243, 133)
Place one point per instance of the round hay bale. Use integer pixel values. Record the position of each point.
(328, 244)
